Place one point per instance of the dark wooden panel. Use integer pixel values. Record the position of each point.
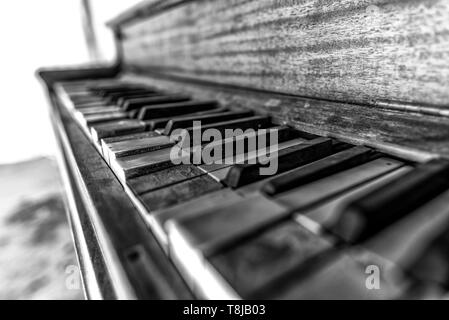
(358, 51)
(400, 132)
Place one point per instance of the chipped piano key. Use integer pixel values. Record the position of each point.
(131, 147)
(381, 207)
(138, 103)
(90, 120)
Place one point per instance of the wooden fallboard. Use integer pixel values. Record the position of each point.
(358, 51)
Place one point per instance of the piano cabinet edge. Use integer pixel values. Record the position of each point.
(161, 280)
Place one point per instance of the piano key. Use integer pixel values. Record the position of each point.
(187, 122)
(131, 147)
(420, 236)
(318, 169)
(384, 206)
(121, 91)
(120, 101)
(343, 277)
(135, 165)
(220, 171)
(178, 193)
(175, 107)
(114, 95)
(121, 127)
(211, 231)
(158, 219)
(326, 214)
(257, 262)
(134, 136)
(92, 119)
(98, 110)
(138, 103)
(162, 122)
(256, 122)
(306, 152)
(311, 194)
(131, 166)
(163, 178)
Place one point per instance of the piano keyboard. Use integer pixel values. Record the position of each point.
(330, 213)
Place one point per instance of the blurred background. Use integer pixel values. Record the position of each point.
(37, 258)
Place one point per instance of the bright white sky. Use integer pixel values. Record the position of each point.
(35, 34)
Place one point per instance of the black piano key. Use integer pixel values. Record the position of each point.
(116, 96)
(368, 215)
(177, 107)
(120, 101)
(178, 193)
(121, 91)
(138, 103)
(160, 123)
(187, 122)
(308, 151)
(319, 169)
(255, 123)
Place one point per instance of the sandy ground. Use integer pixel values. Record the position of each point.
(37, 258)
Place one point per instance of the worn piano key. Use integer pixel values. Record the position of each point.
(121, 91)
(256, 122)
(121, 127)
(344, 277)
(134, 136)
(120, 101)
(178, 193)
(114, 96)
(163, 178)
(254, 264)
(90, 120)
(286, 159)
(98, 110)
(384, 206)
(413, 239)
(305, 197)
(158, 219)
(318, 169)
(187, 122)
(173, 108)
(135, 165)
(130, 147)
(213, 230)
(138, 103)
(162, 122)
(326, 214)
(220, 171)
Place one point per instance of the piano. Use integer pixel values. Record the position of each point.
(356, 95)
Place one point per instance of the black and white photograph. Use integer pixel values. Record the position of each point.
(248, 150)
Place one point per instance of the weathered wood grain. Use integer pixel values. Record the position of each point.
(357, 51)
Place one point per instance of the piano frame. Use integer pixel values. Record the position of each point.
(118, 256)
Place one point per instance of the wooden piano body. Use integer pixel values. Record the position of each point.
(366, 72)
